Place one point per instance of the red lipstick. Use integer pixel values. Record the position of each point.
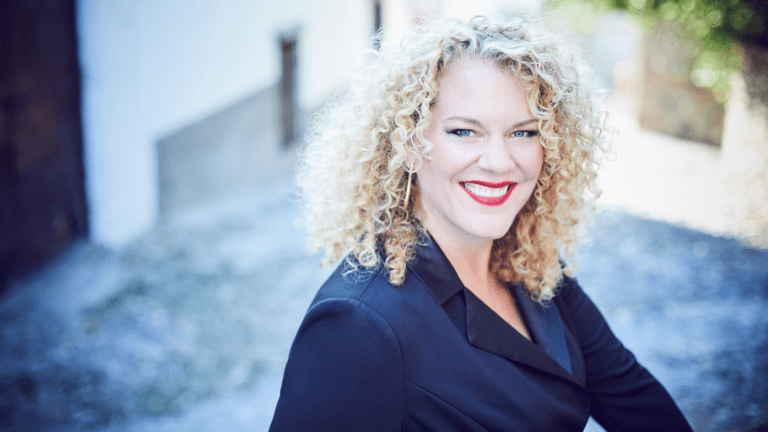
(490, 201)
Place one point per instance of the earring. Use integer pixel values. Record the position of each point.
(408, 188)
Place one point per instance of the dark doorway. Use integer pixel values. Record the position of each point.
(377, 24)
(288, 89)
(42, 196)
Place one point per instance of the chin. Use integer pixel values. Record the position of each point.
(499, 235)
(493, 233)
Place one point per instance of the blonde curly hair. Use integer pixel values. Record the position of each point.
(353, 176)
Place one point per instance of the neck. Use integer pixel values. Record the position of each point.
(470, 259)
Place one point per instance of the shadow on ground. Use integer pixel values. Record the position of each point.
(692, 308)
(188, 329)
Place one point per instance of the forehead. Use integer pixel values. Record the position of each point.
(480, 87)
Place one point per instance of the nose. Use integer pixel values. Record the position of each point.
(496, 157)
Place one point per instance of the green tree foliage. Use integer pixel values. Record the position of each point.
(718, 24)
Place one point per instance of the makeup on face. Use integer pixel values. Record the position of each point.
(485, 158)
(490, 194)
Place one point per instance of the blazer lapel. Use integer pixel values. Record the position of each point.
(545, 324)
(489, 332)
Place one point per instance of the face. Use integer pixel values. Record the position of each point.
(486, 157)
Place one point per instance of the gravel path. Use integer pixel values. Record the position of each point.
(188, 328)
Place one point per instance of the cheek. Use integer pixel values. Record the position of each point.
(533, 161)
(442, 162)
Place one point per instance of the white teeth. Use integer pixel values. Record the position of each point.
(484, 191)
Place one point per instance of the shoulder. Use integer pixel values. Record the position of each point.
(570, 295)
(351, 284)
(343, 303)
(359, 305)
(344, 371)
(567, 287)
(624, 395)
(371, 289)
(343, 307)
(581, 315)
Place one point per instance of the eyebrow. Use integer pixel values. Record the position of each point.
(477, 123)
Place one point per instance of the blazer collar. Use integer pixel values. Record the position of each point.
(437, 273)
(488, 331)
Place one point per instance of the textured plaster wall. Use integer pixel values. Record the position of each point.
(400, 14)
(152, 67)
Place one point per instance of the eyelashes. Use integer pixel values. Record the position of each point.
(525, 133)
(460, 132)
(466, 133)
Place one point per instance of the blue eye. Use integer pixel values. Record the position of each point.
(460, 132)
(525, 133)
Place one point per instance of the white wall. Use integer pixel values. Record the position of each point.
(465, 10)
(399, 15)
(150, 67)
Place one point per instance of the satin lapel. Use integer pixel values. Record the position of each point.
(489, 332)
(545, 324)
(577, 358)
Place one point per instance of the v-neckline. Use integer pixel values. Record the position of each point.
(547, 350)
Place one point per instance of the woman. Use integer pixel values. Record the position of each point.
(451, 177)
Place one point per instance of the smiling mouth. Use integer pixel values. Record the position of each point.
(490, 194)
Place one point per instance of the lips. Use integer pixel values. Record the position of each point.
(489, 194)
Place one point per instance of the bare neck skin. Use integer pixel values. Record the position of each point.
(469, 257)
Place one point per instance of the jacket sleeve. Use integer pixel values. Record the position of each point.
(344, 372)
(624, 396)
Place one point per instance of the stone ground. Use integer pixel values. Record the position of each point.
(188, 328)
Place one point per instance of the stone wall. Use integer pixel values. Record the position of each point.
(671, 103)
(745, 146)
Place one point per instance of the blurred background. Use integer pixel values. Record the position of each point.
(151, 274)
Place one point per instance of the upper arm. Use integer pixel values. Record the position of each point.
(344, 372)
(623, 394)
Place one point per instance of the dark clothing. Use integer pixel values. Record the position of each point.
(431, 356)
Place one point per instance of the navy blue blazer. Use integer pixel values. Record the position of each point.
(431, 356)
